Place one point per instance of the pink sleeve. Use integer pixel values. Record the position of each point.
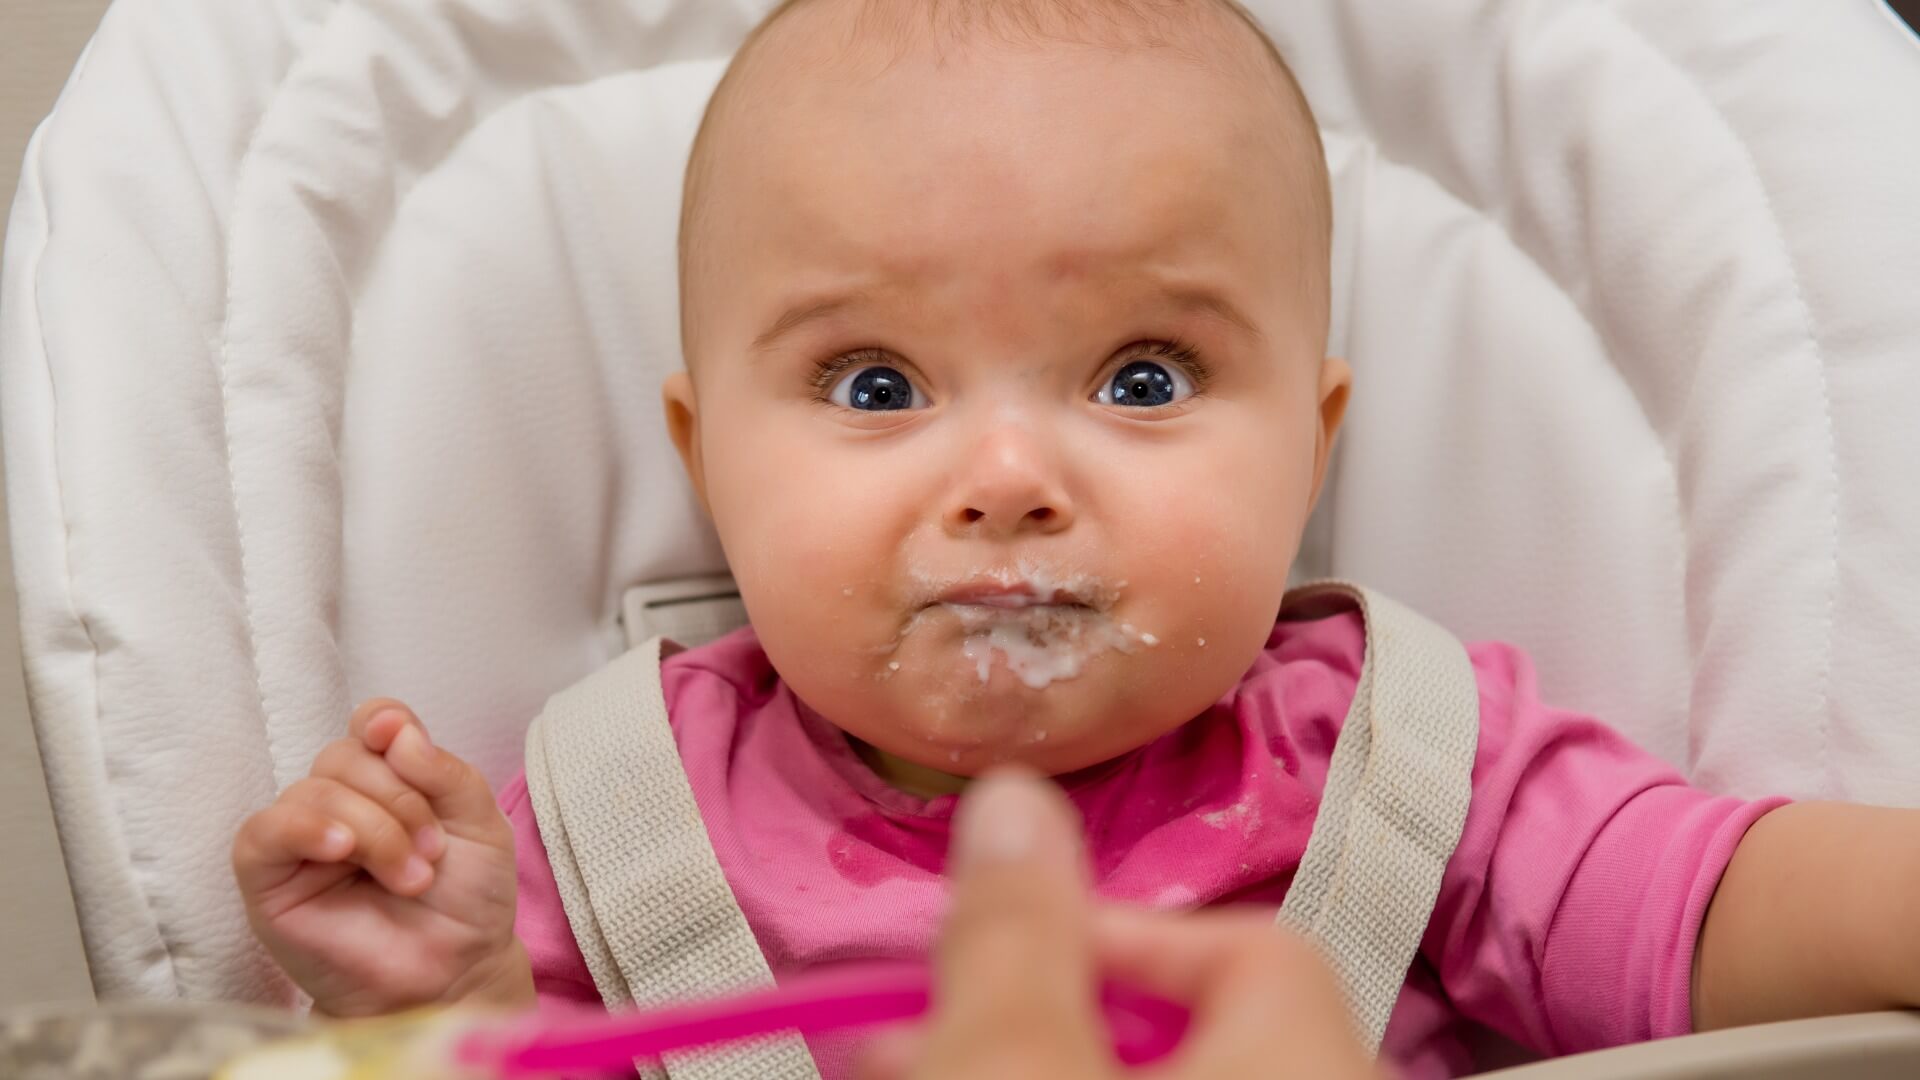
(1567, 917)
(560, 974)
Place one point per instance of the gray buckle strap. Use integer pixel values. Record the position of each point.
(1396, 800)
(643, 891)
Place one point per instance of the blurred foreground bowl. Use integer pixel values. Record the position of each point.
(134, 1040)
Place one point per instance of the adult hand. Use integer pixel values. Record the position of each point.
(1023, 952)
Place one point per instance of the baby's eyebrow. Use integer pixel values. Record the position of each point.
(1187, 298)
(1205, 301)
(812, 309)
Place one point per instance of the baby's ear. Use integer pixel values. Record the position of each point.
(683, 426)
(1336, 385)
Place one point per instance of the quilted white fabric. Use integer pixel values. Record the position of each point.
(331, 332)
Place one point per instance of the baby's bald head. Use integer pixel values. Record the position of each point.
(844, 40)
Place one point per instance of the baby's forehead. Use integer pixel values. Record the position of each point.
(856, 96)
(1115, 159)
(817, 67)
(846, 38)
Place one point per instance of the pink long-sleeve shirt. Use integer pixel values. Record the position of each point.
(1566, 919)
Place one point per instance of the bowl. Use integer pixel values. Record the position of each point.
(134, 1040)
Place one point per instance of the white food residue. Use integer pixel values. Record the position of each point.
(1052, 633)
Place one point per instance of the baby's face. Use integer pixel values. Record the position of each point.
(1008, 401)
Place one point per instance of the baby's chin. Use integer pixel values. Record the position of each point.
(963, 706)
(959, 689)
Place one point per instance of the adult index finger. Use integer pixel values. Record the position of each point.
(1016, 982)
(1264, 1002)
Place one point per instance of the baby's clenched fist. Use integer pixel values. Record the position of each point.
(385, 880)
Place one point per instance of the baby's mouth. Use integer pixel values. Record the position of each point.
(1027, 587)
(1014, 596)
(1044, 626)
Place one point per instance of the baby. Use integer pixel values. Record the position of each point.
(1006, 390)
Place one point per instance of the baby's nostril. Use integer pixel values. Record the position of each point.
(1041, 513)
(971, 515)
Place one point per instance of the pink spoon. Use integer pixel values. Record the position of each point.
(1144, 1028)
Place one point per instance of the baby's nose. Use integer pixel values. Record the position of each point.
(1010, 485)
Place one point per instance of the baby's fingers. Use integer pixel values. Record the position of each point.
(378, 720)
(381, 845)
(456, 790)
(351, 763)
(273, 843)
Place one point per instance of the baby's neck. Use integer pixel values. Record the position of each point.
(904, 775)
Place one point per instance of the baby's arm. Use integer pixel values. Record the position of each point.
(1818, 913)
(1569, 917)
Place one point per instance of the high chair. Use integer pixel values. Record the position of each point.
(331, 335)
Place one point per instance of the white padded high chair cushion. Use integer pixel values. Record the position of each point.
(333, 332)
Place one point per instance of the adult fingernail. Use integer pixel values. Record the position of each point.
(1001, 820)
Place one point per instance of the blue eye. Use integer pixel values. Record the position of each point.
(874, 389)
(1145, 384)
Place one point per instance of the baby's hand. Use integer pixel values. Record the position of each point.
(385, 879)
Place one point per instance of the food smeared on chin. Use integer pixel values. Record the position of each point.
(1043, 623)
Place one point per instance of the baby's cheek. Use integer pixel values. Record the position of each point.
(1224, 564)
(793, 533)
(1214, 584)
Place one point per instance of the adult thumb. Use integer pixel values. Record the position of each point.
(1016, 972)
